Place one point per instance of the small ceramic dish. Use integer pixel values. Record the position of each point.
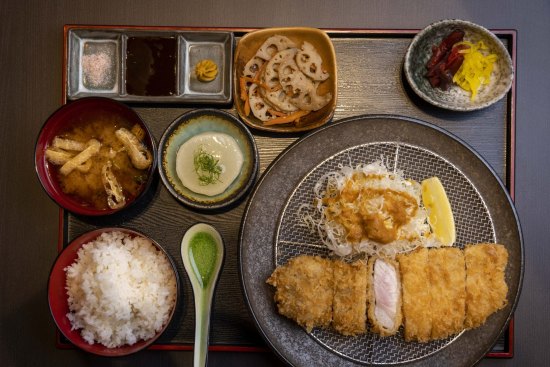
(455, 98)
(153, 65)
(246, 49)
(77, 118)
(190, 125)
(58, 297)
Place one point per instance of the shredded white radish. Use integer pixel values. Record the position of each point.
(415, 233)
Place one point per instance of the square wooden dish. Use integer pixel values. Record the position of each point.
(246, 49)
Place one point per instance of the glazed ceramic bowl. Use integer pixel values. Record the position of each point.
(455, 98)
(246, 49)
(191, 124)
(87, 110)
(58, 298)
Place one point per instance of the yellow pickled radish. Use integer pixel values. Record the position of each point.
(476, 68)
(440, 215)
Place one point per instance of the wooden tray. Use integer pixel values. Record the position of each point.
(370, 81)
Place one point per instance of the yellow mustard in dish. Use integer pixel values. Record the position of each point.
(206, 70)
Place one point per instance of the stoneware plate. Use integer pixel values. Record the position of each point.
(272, 233)
(246, 49)
(455, 98)
(196, 122)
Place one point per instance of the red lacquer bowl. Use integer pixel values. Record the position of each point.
(86, 109)
(59, 307)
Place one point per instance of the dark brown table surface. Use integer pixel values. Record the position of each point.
(31, 45)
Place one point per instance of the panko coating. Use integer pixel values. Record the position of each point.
(305, 290)
(447, 274)
(486, 287)
(350, 297)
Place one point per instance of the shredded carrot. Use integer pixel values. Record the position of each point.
(276, 113)
(247, 106)
(259, 73)
(242, 84)
(267, 88)
(248, 79)
(287, 119)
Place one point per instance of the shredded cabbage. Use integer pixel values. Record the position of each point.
(416, 233)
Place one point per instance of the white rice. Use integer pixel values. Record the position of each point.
(121, 290)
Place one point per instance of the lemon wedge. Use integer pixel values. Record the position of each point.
(440, 215)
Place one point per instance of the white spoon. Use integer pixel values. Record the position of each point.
(202, 252)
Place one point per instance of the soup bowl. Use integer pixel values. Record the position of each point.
(84, 120)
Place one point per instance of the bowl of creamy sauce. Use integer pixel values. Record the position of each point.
(207, 159)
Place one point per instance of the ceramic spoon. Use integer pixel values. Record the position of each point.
(202, 252)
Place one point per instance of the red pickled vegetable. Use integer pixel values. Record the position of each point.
(437, 56)
(445, 61)
(439, 52)
(454, 64)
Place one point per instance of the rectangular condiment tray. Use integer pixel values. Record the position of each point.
(370, 81)
(147, 65)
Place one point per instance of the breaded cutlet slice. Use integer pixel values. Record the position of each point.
(447, 274)
(350, 297)
(384, 296)
(486, 288)
(415, 285)
(304, 290)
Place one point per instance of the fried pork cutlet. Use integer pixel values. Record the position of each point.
(305, 290)
(416, 295)
(384, 296)
(486, 288)
(447, 276)
(350, 297)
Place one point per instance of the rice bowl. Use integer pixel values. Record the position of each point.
(113, 291)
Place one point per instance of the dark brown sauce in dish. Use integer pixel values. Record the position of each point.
(151, 66)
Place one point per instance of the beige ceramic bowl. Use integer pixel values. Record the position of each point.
(246, 49)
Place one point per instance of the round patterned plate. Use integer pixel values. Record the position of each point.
(271, 234)
(455, 98)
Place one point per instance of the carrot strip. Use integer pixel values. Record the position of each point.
(259, 73)
(287, 119)
(247, 106)
(255, 81)
(276, 113)
(242, 84)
